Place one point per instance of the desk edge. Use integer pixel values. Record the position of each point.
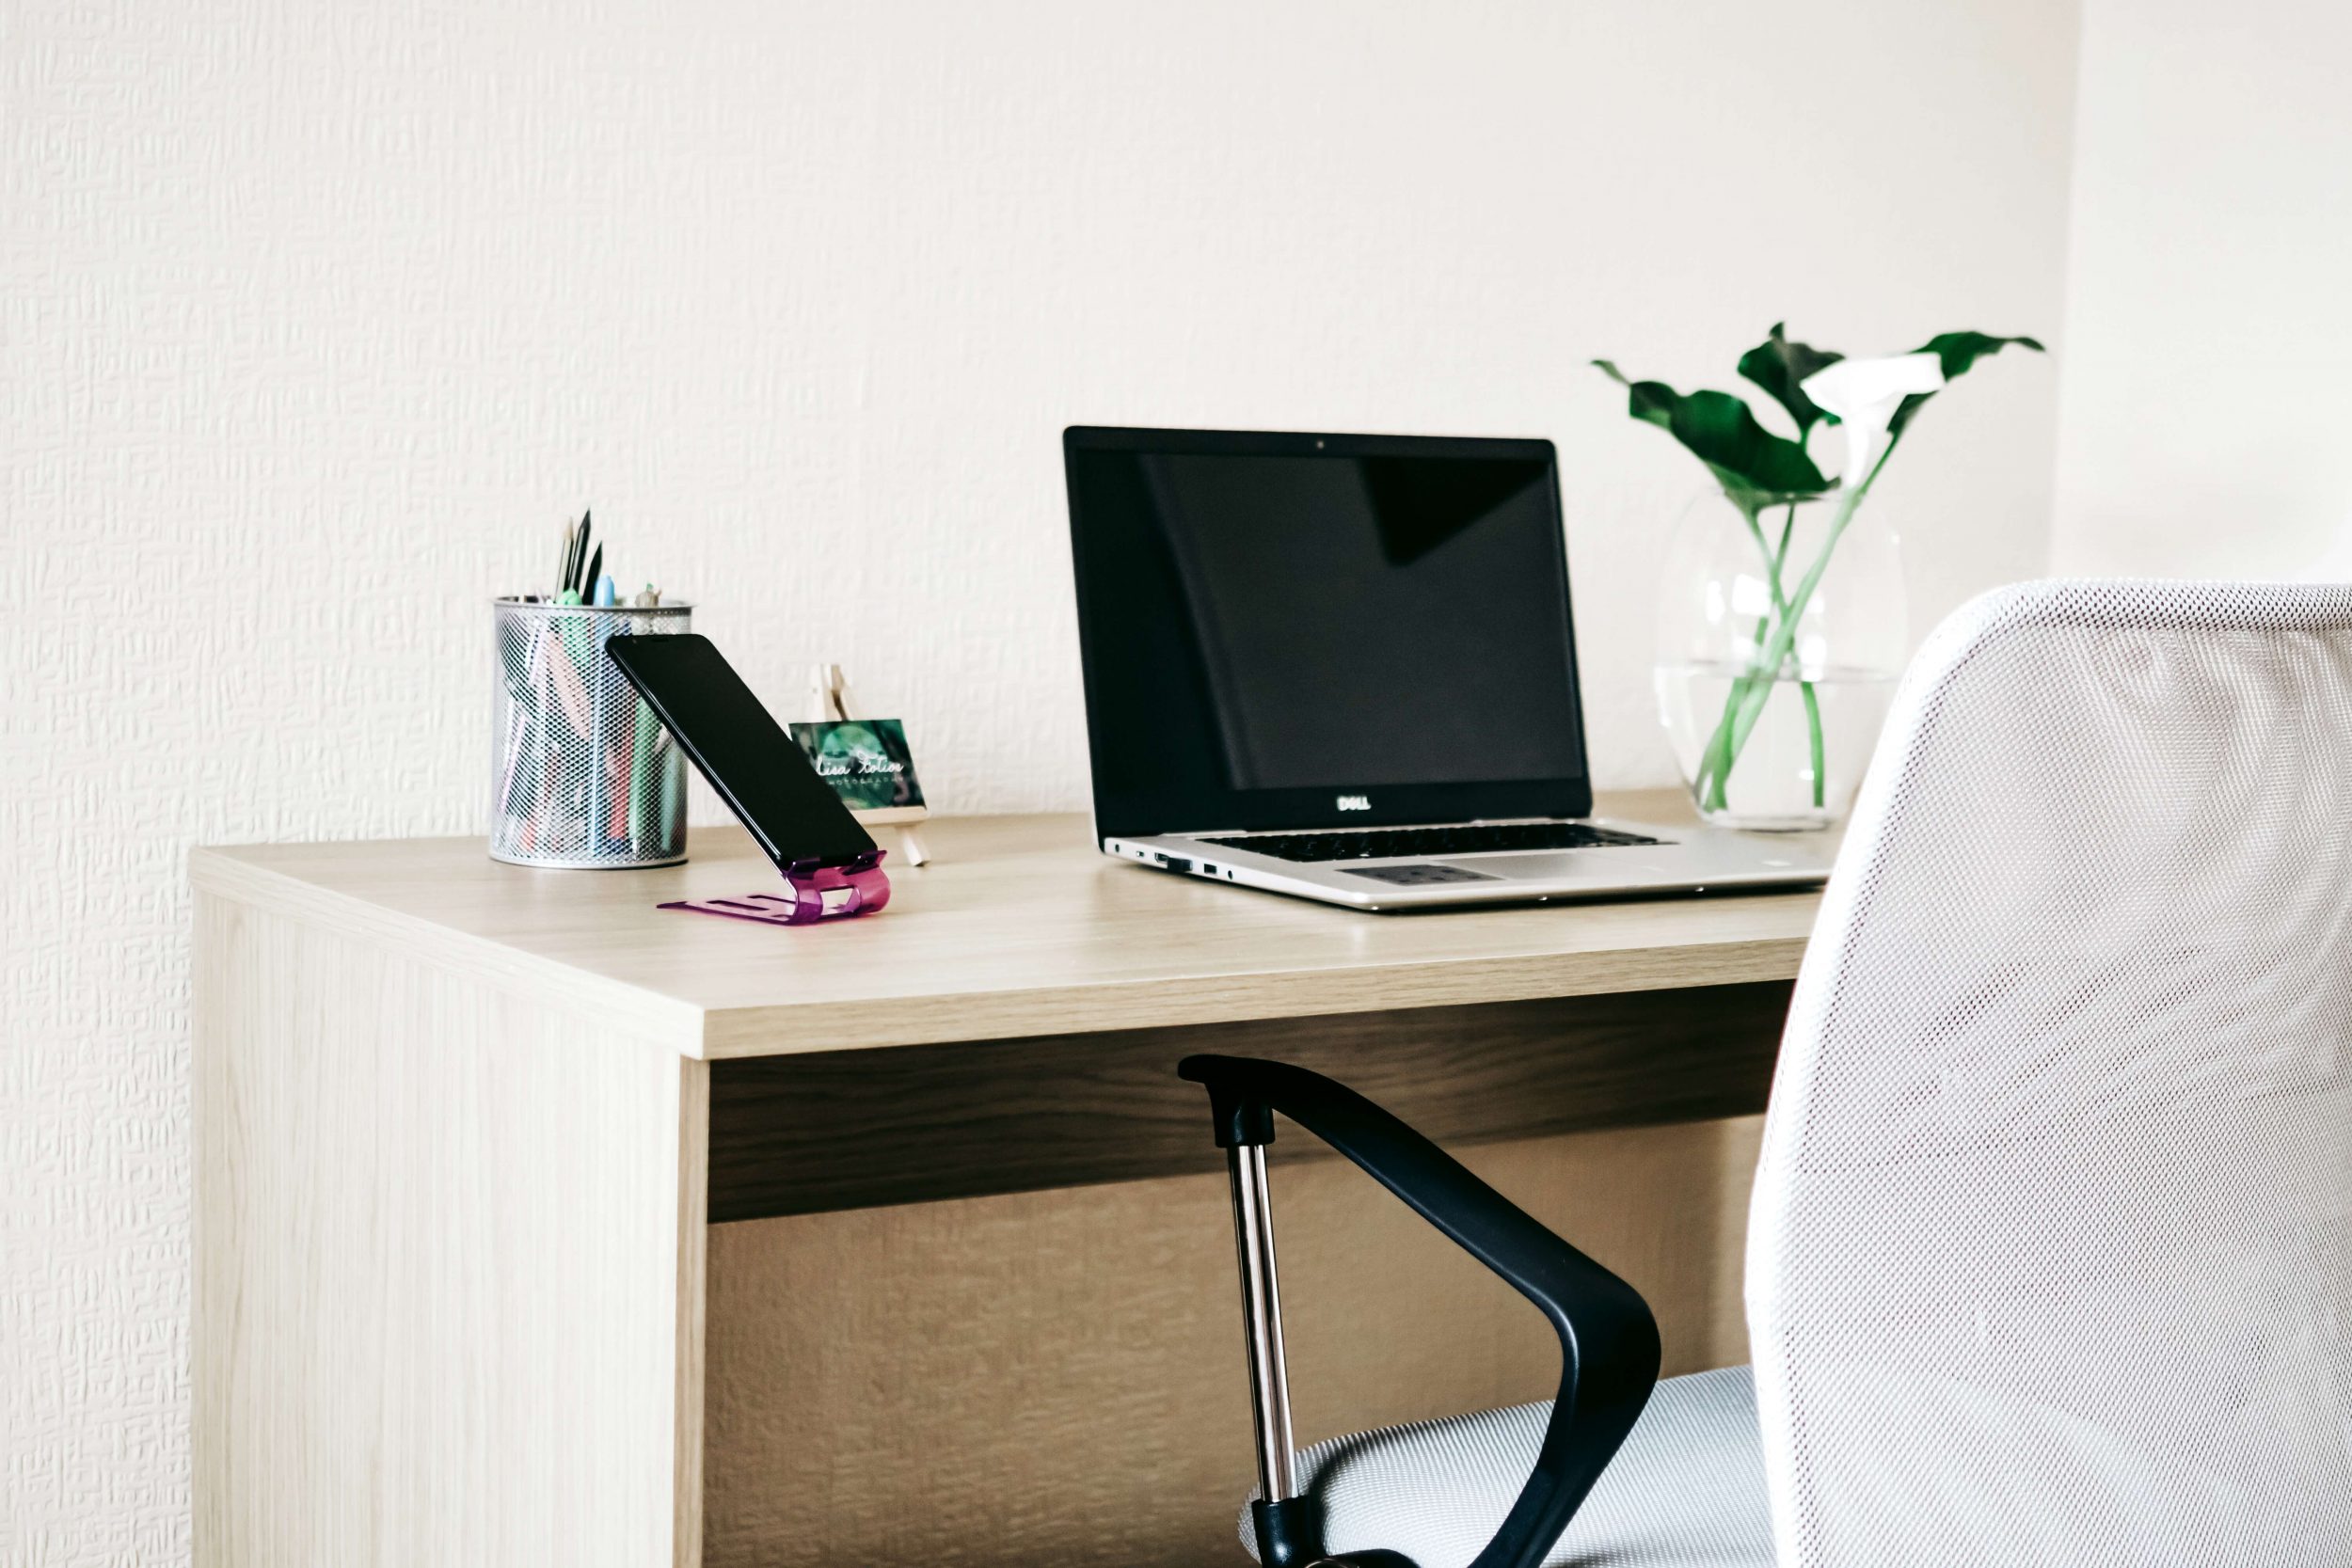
(798, 1028)
(795, 1028)
(224, 874)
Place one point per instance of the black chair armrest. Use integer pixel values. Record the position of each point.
(1608, 1339)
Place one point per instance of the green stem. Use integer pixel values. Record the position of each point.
(1784, 635)
(1716, 760)
(1813, 733)
(1714, 765)
(1722, 746)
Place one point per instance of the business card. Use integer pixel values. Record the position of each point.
(865, 760)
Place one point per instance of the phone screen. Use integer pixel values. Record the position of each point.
(760, 771)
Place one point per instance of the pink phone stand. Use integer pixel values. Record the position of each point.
(817, 893)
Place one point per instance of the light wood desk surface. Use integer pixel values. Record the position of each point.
(1019, 927)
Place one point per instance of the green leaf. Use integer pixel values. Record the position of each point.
(1652, 401)
(1754, 466)
(1780, 368)
(1723, 430)
(1956, 352)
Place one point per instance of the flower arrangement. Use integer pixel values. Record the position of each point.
(1762, 473)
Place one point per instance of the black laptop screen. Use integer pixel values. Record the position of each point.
(1294, 630)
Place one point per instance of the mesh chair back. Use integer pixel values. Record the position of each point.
(2050, 1259)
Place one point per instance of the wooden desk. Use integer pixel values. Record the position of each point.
(531, 1219)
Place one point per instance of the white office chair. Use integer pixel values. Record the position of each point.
(2050, 1259)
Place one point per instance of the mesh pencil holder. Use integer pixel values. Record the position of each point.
(581, 774)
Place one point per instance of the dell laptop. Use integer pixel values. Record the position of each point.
(1343, 667)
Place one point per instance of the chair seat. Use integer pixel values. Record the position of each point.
(1686, 1490)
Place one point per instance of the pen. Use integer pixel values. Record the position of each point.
(672, 785)
(575, 642)
(641, 784)
(607, 790)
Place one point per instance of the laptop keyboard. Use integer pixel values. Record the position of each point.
(1378, 843)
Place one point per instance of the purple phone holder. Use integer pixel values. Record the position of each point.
(817, 893)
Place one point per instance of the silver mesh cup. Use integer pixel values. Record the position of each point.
(581, 774)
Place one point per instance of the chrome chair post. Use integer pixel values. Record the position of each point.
(1262, 1318)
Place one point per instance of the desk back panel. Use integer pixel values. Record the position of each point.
(1056, 1377)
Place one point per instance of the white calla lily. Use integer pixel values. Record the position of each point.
(1864, 394)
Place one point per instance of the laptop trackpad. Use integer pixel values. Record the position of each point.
(1421, 874)
(1573, 865)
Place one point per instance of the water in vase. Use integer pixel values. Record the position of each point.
(1772, 784)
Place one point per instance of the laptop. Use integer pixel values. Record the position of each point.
(1343, 667)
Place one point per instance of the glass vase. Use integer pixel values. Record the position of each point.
(1775, 666)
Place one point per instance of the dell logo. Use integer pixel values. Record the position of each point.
(1355, 802)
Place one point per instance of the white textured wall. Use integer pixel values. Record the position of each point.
(2209, 310)
(319, 318)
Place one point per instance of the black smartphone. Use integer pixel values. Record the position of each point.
(760, 771)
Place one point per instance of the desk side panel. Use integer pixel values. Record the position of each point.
(447, 1296)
